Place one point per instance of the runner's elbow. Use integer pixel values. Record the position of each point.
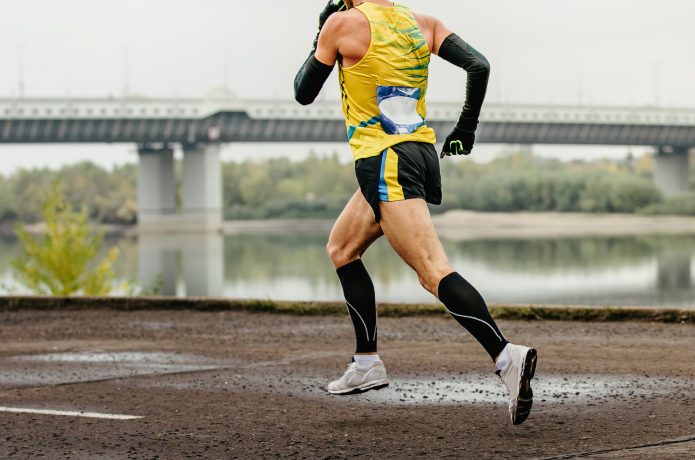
(301, 94)
(303, 99)
(480, 66)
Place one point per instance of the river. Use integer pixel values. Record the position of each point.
(645, 270)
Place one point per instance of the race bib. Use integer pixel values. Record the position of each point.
(398, 107)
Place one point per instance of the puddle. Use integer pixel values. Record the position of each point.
(478, 389)
(442, 389)
(585, 390)
(157, 325)
(58, 368)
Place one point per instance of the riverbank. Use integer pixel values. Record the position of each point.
(476, 225)
(397, 310)
(461, 225)
(7, 230)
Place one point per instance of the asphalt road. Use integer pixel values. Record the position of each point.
(241, 385)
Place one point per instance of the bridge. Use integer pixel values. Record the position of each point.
(201, 125)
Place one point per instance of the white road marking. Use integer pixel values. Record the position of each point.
(21, 410)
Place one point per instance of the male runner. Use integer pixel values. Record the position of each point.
(383, 50)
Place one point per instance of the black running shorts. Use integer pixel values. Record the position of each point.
(404, 171)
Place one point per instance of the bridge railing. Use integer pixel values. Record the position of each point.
(136, 108)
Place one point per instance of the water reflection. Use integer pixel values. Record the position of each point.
(174, 265)
(592, 270)
(639, 270)
(674, 272)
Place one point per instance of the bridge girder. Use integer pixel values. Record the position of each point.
(239, 127)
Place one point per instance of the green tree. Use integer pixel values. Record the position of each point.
(5, 199)
(27, 186)
(61, 261)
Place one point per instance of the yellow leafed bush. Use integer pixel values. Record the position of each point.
(61, 261)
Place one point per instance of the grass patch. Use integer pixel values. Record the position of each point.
(561, 313)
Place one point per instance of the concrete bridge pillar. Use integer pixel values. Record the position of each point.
(671, 173)
(202, 187)
(156, 185)
(201, 209)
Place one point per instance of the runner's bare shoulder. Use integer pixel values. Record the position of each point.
(346, 20)
(433, 29)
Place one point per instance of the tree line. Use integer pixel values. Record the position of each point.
(318, 187)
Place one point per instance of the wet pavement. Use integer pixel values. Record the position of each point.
(237, 385)
(63, 368)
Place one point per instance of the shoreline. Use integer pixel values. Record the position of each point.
(458, 225)
(470, 225)
(463, 225)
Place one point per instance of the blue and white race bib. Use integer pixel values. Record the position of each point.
(398, 107)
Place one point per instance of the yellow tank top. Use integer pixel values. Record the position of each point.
(384, 93)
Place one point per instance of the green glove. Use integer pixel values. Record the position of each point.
(459, 142)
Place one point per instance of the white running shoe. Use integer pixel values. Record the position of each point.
(358, 380)
(517, 377)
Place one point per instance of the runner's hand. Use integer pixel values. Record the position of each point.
(459, 142)
(331, 7)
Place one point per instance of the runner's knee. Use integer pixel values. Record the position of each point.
(340, 254)
(431, 276)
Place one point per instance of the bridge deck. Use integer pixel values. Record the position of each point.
(190, 121)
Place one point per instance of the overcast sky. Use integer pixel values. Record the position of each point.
(608, 52)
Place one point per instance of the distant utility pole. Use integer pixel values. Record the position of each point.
(498, 91)
(126, 71)
(225, 68)
(20, 70)
(657, 83)
(580, 93)
(498, 86)
(68, 84)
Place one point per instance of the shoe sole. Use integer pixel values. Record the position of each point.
(525, 398)
(375, 385)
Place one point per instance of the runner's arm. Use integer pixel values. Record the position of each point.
(310, 80)
(454, 50)
(319, 65)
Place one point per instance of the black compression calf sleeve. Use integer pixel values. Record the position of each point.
(461, 54)
(467, 306)
(310, 80)
(359, 296)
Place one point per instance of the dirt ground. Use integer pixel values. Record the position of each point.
(241, 385)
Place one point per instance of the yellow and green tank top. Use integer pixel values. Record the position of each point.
(384, 93)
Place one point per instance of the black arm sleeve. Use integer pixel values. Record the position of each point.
(461, 54)
(310, 80)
